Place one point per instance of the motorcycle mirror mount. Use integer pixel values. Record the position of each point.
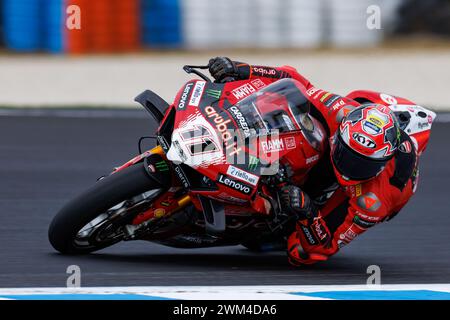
(192, 69)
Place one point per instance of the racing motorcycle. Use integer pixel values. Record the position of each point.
(221, 150)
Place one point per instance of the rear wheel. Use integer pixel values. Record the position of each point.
(96, 218)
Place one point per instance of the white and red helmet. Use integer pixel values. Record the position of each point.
(366, 140)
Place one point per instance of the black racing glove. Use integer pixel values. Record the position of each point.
(222, 67)
(294, 201)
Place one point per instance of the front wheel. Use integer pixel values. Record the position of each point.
(96, 218)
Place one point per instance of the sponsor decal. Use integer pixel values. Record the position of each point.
(376, 121)
(197, 93)
(265, 72)
(312, 159)
(388, 99)
(184, 96)
(365, 224)
(240, 120)
(161, 166)
(377, 118)
(253, 163)
(243, 91)
(312, 90)
(290, 143)
(184, 180)
(222, 129)
(326, 95)
(234, 184)
(213, 93)
(423, 125)
(257, 83)
(308, 235)
(163, 143)
(274, 145)
(369, 202)
(364, 140)
(350, 234)
(242, 175)
(358, 190)
(320, 231)
(332, 99)
(339, 104)
(367, 217)
(277, 145)
(158, 213)
(371, 128)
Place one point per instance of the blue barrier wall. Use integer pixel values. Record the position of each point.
(1, 23)
(161, 23)
(22, 24)
(53, 25)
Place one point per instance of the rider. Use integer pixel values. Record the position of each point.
(372, 165)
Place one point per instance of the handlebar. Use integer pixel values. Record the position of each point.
(191, 69)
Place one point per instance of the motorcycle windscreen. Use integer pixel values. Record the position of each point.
(278, 108)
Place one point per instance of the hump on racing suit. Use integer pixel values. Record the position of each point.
(413, 119)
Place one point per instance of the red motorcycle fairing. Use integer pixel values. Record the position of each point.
(235, 133)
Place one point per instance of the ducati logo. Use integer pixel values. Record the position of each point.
(364, 140)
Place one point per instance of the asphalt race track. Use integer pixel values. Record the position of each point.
(46, 160)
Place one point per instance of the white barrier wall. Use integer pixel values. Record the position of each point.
(351, 23)
(420, 75)
(304, 23)
(286, 24)
(348, 24)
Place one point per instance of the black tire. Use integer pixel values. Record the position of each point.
(105, 194)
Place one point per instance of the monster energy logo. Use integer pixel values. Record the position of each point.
(214, 93)
(161, 166)
(252, 163)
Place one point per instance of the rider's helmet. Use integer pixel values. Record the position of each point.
(365, 141)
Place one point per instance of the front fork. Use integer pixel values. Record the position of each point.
(169, 202)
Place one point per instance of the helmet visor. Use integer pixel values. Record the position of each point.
(352, 165)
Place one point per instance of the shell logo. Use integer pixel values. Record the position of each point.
(159, 212)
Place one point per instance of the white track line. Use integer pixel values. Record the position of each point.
(224, 292)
